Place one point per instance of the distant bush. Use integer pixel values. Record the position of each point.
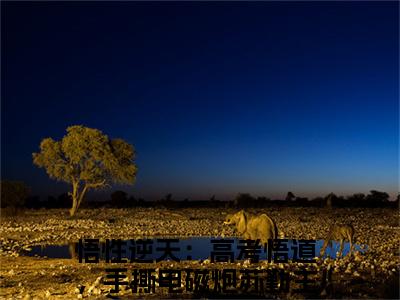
(244, 200)
(33, 202)
(120, 199)
(13, 194)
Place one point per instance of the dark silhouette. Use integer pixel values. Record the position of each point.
(13, 195)
(290, 196)
(329, 200)
(63, 201)
(120, 199)
(300, 201)
(375, 198)
(244, 200)
(33, 202)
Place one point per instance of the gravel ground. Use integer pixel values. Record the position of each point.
(374, 274)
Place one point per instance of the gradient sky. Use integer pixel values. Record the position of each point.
(217, 98)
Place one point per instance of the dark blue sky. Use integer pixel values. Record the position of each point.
(217, 98)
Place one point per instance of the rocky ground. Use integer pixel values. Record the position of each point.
(374, 274)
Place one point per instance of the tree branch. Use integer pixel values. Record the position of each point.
(89, 186)
(96, 185)
(85, 188)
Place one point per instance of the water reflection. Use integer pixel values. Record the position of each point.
(73, 250)
(197, 248)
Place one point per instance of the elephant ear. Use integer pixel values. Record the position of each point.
(242, 224)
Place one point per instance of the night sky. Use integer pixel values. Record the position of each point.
(217, 98)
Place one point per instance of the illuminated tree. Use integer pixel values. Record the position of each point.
(87, 159)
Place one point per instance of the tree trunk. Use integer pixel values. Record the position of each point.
(329, 202)
(75, 198)
(74, 208)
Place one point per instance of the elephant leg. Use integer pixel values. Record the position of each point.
(323, 249)
(341, 248)
(351, 245)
